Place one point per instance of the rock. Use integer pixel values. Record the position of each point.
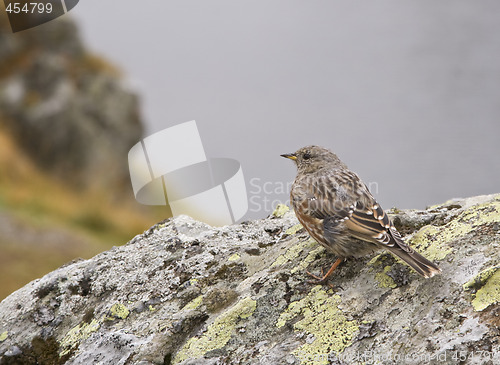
(187, 293)
(69, 110)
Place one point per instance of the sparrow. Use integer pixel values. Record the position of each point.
(339, 212)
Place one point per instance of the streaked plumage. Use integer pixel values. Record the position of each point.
(340, 213)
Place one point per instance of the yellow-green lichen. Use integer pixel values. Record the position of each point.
(3, 336)
(373, 260)
(76, 335)
(281, 260)
(320, 317)
(280, 210)
(118, 311)
(160, 226)
(377, 259)
(394, 210)
(384, 280)
(489, 282)
(195, 303)
(310, 258)
(292, 253)
(437, 206)
(234, 257)
(432, 241)
(218, 333)
(294, 229)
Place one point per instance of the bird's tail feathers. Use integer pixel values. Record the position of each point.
(421, 265)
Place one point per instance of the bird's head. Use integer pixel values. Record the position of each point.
(313, 158)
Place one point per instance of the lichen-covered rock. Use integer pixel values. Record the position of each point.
(187, 293)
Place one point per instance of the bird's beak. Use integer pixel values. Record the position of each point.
(291, 156)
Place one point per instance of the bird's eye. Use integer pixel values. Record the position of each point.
(306, 156)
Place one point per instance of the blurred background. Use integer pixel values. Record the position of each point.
(407, 93)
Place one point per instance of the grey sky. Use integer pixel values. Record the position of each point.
(407, 93)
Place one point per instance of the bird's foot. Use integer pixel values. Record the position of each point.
(323, 279)
(319, 280)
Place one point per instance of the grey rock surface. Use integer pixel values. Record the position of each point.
(187, 293)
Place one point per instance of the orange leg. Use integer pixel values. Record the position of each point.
(322, 280)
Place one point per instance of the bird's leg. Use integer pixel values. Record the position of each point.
(322, 280)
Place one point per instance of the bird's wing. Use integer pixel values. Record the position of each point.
(372, 224)
(343, 202)
(344, 199)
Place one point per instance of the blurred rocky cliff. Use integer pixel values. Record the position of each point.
(69, 110)
(67, 122)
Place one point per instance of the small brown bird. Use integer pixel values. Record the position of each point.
(340, 213)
